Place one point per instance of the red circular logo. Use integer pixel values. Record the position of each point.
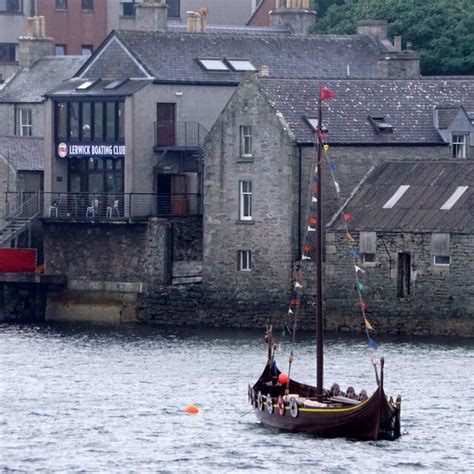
(62, 150)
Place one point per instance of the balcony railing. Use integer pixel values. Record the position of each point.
(124, 206)
(170, 134)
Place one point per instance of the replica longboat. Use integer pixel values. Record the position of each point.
(282, 403)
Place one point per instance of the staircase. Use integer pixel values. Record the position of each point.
(17, 220)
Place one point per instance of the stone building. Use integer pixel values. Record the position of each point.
(124, 136)
(258, 161)
(412, 224)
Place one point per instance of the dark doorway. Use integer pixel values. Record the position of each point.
(404, 275)
(172, 194)
(165, 124)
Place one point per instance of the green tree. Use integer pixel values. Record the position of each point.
(441, 31)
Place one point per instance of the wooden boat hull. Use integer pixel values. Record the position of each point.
(372, 419)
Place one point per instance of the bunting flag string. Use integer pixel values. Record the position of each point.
(345, 218)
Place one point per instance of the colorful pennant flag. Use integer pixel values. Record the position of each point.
(336, 185)
(307, 248)
(304, 257)
(326, 93)
(290, 311)
(314, 199)
(360, 286)
(350, 238)
(326, 147)
(355, 252)
(312, 220)
(371, 342)
(332, 166)
(368, 325)
(294, 302)
(347, 216)
(320, 135)
(310, 229)
(363, 306)
(298, 285)
(358, 269)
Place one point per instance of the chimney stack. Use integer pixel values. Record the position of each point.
(375, 28)
(35, 45)
(264, 71)
(295, 15)
(151, 15)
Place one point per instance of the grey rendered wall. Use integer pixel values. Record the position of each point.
(248, 298)
(193, 103)
(441, 300)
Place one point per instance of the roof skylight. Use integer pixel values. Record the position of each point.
(114, 84)
(85, 85)
(396, 197)
(313, 124)
(454, 198)
(380, 124)
(213, 64)
(241, 65)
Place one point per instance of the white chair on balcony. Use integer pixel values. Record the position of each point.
(113, 211)
(93, 209)
(54, 209)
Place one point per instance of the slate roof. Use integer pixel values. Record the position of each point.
(407, 104)
(24, 153)
(446, 114)
(172, 57)
(30, 85)
(418, 210)
(69, 88)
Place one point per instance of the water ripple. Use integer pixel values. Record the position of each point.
(96, 399)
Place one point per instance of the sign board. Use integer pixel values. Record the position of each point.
(90, 150)
(17, 260)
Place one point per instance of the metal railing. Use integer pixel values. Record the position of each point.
(22, 205)
(179, 134)
(122, 206)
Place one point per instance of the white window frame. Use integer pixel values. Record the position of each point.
(459, 145)
(24, 118)
(246, 141)
(437, 264)
(245, 260)
(245, 200)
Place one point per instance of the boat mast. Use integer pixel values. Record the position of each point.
(319, 262)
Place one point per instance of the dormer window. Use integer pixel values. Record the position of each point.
(459, 145)
(313, 124)
(380, 124)
(213, 65)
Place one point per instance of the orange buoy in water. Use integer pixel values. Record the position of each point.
(192, 409)
(283, 378)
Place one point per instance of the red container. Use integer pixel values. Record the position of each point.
(17, 260)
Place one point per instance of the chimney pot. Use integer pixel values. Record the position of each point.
(42, 26)
(30, 26)
(397, 43)
(151, 15)
(264, 71)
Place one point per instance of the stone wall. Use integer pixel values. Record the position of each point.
(113, 252)
(187, 238)
(441, 299)
(268, 235)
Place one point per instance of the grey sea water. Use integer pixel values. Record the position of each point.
(97, 399)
